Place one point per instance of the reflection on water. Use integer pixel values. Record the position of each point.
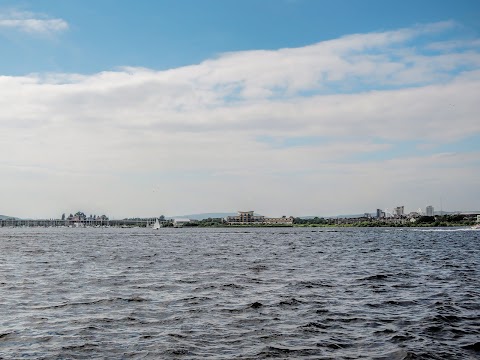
(307, 293)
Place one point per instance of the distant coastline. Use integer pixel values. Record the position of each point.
(448, 220)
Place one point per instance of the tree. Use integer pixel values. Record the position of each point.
(80, 215)
(426, 220)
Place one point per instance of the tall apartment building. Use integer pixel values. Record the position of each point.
(399, 210)
(429, 210)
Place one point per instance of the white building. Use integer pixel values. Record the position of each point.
(429, 210)
(180, 222)
(399, 210)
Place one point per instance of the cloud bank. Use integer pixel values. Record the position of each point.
(344, 125)
(31, 23)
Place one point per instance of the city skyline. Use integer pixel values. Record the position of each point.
(291, 107)
(428, 210)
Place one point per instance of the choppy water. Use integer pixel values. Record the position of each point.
(308, 293)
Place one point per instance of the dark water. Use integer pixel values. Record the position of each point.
(309, 293)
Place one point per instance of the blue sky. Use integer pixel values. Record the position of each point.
(171, 107)
(103, 35)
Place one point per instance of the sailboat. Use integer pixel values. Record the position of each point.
(157, 225)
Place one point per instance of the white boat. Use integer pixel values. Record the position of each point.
(157, 225)
(475, 227)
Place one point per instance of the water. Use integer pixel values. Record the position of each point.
(300, 293)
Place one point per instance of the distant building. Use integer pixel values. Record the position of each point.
(79, 216)
(414, 215)
(380, 214)
(429, 210)
(399, 210)
(245, 218)
(279, 221)
(180, 222)
(249, 218)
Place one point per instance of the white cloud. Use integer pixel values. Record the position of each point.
(139, 141)
(31, 23)
(454, 45)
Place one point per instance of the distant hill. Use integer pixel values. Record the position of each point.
(203, 216)
(4, 217)
(350, 216)
(335, 216)
(456, 212)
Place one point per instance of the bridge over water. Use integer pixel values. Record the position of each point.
(148, 222)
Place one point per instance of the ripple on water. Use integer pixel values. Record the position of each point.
(239, 293)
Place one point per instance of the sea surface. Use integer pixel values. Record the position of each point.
(239, 293)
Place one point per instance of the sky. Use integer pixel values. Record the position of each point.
(284, 107)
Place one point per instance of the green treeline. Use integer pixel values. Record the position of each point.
(423, 221)
(210, 222)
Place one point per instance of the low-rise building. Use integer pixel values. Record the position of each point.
(180, 222)
(279, 221)
(249, 218)
(245, 218)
